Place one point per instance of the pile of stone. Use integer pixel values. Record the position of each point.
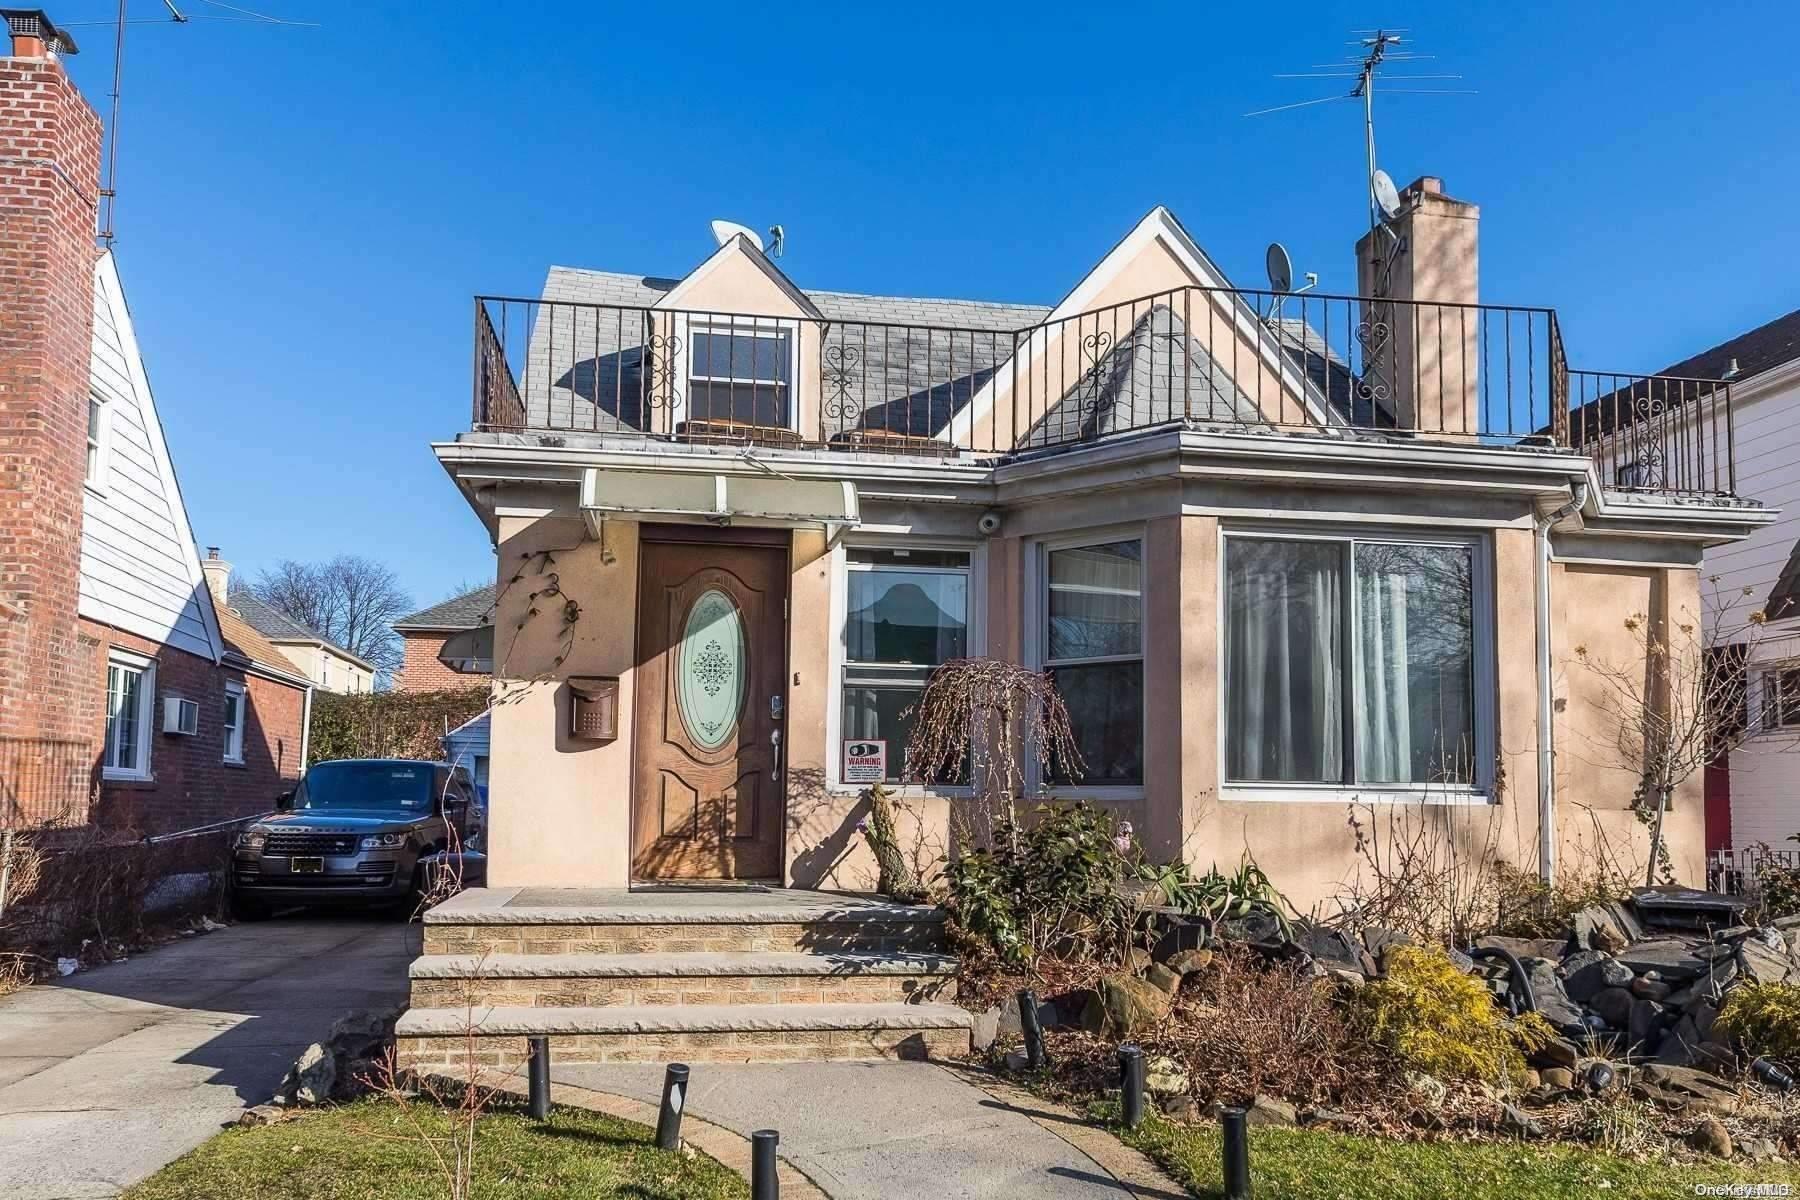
(336, 1068)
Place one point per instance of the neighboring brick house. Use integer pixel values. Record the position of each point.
(126, 697)
(457, 631)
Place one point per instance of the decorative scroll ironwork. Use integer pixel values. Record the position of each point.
(1375, 335)
(1647, 437)
(661, 353)
(1096, 346)
(842, 364)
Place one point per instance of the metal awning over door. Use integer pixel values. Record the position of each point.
(712, 496)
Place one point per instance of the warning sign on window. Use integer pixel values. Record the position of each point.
(865, 761)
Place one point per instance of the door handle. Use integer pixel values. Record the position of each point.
(775, 741)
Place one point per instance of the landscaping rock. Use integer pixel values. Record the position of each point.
(1552, 1001)
(1137, 959)
(1760, 1149)
(1350, 979)
(1269, 1110)
(1330, 947)
(1016, 1060)
(1607, 927)
(1180, 1108)
(1697, 1090)
(314, 1074)
(1672, 958)
(1551, 948)
(1613, 1005)
(984, 1029)
(1557, 1053)
(261, 1114)
(1646, 1022)
(1711, 1138)
(1431, 1092)
(1587, 973)
(1560, 1078)
(1011, 1025)
(1162, 977)
(1649, 987)
(1680, 1046)
(1377, 938)
(1760, 963)
(1515, 1122)
(1189, 961)
(1163, 1076)
(1328, 1118)
(1704, 1014)
(1125, 1007)
(1260, 928)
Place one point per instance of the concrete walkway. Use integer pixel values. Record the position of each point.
(111, 1073)
(900, 1130)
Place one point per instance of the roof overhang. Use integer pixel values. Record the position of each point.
(718, 498)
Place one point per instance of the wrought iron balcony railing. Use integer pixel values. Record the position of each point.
(1655, 433)
(1212, 358)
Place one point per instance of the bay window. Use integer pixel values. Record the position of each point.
(906, 611)
(1093, 648)
(1352, 661)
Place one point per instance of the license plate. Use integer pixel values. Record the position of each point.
(306, 866)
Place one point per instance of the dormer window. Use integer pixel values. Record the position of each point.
(740, 369)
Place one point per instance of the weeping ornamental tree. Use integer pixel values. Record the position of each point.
(976, 722)
(1681, 700)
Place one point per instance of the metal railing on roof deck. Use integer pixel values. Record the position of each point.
(1663, 434)
(1229, 359)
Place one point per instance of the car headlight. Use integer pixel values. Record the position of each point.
(252, 839)
(384, 841)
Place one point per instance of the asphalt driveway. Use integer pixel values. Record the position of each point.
(109, 1074)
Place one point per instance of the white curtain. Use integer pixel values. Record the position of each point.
(1284, 705)
(1384, 707)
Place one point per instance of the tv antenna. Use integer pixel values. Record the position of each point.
(231, 12)
(1376, 49)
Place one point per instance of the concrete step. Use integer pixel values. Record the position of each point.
(436, 1039)
(616, 921)
(607, 980)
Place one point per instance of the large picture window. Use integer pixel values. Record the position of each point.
(1351, 661)
(906, 611)
(130, 696)
(1093, 643)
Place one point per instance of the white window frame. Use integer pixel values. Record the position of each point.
(1770, 700)
(840, 610)
(139, 769)
(98, 444)
(234, 734)
(1485, 683)
(1037, 622)
(739, 325)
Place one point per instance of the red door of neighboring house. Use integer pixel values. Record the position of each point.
(1718, 803)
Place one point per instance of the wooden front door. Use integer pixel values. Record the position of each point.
(711, 662)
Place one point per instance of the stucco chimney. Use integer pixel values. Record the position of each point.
(218, 576)
(1429, 359)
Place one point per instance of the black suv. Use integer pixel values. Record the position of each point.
(359, 831)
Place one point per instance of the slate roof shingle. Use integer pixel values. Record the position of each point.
(471, 610)
(276, 625)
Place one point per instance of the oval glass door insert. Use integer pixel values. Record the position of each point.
(710, 670)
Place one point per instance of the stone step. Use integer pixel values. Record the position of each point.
(727, 978)
(436, 1039)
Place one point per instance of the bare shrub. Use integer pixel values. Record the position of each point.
(1251, 1026)
(1418, 873)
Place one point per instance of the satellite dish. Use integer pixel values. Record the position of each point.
(1387, 197)
(724, 231)
(1281, 268)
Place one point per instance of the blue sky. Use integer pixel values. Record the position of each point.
(304, 213)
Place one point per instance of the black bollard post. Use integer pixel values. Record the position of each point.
(674, 1100)
(539, 1075)
(1236, 1151)
(1033, 1029)
(764, 1185)
(1131, 1084)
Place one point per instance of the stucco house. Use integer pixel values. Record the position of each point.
(1283, 554)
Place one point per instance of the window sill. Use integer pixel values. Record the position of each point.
(1317, 794)
(902, 791)
(239, 763)
(126, 777)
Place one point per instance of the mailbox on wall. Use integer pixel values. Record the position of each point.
(594, 708)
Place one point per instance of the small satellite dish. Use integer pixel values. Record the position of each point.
(724, 231)
(1281, 268)
(1387, 197)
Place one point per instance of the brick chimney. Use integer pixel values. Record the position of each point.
(218, 577)
(49, 184)
(1430, 358)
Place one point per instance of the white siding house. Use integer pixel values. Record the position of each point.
(140, 571)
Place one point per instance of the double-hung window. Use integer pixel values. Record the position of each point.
(1093, 647)
(906, 611)
(1781, 699)
(130, 700)
(741, 369)
(96, 441)
(1353, 661)
(234, 722)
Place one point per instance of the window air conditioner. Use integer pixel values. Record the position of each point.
(180, 716)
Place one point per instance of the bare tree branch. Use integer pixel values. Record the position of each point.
(351, 600)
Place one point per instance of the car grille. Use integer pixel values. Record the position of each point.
(283, 842)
